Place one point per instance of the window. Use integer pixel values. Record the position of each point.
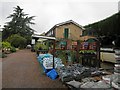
(66, 33)
(52, 32)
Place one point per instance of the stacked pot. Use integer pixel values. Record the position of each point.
(117, 66)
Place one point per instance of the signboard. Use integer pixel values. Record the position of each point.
(74, 45)
(92, 46)
(63, 44)
(88, 46)
(84, 46)
(33, 41)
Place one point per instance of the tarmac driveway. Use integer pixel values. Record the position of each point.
(21, 70)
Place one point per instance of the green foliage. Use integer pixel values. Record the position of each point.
(87, 51)
(19, 24)
(13, 49)
(62, 55)
(40, 45)
(108, 26)
(73, 56)
(17, 41)
(0, 45)
(47, 44)
(106, 30)
(28, 38)
(7, 48)
(2, 55)
(6, 45)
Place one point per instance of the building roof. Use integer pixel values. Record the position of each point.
(63, 23)
(70, 21)
(43, 37)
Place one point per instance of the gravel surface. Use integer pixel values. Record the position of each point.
(21, 70)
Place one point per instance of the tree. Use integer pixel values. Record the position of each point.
(108, 26)
(19, 24)
(17, 41)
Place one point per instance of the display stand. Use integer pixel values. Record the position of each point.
(90, 53)
(90, 50)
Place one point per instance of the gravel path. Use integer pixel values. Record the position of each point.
(21, 70)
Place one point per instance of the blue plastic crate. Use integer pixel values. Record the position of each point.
(52, 74)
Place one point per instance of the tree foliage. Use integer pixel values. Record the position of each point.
(17, 41)
(6, 45)
(19, 24)
(40, 45)
(107, 28)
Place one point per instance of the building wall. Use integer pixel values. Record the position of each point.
(74, 31)
(84, 38)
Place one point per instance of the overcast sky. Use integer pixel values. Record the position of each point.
(51, 12)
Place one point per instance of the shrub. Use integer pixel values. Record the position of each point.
(17, 41)
(40, 45)
(6, 45)
(7, 48)
(62, 55)
(13, 49)
(2, 55)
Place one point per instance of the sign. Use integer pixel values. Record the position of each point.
(74, 43)
(92, 46)
(33, 41)
(63, 44)
(84, 45)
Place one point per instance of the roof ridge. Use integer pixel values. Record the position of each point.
(69, 22)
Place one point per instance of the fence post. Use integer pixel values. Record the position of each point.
(53, 52)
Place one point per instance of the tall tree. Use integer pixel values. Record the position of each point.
(108, 26)
(108, 29)
(19, 24)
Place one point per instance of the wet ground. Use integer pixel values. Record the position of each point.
(21, 70)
